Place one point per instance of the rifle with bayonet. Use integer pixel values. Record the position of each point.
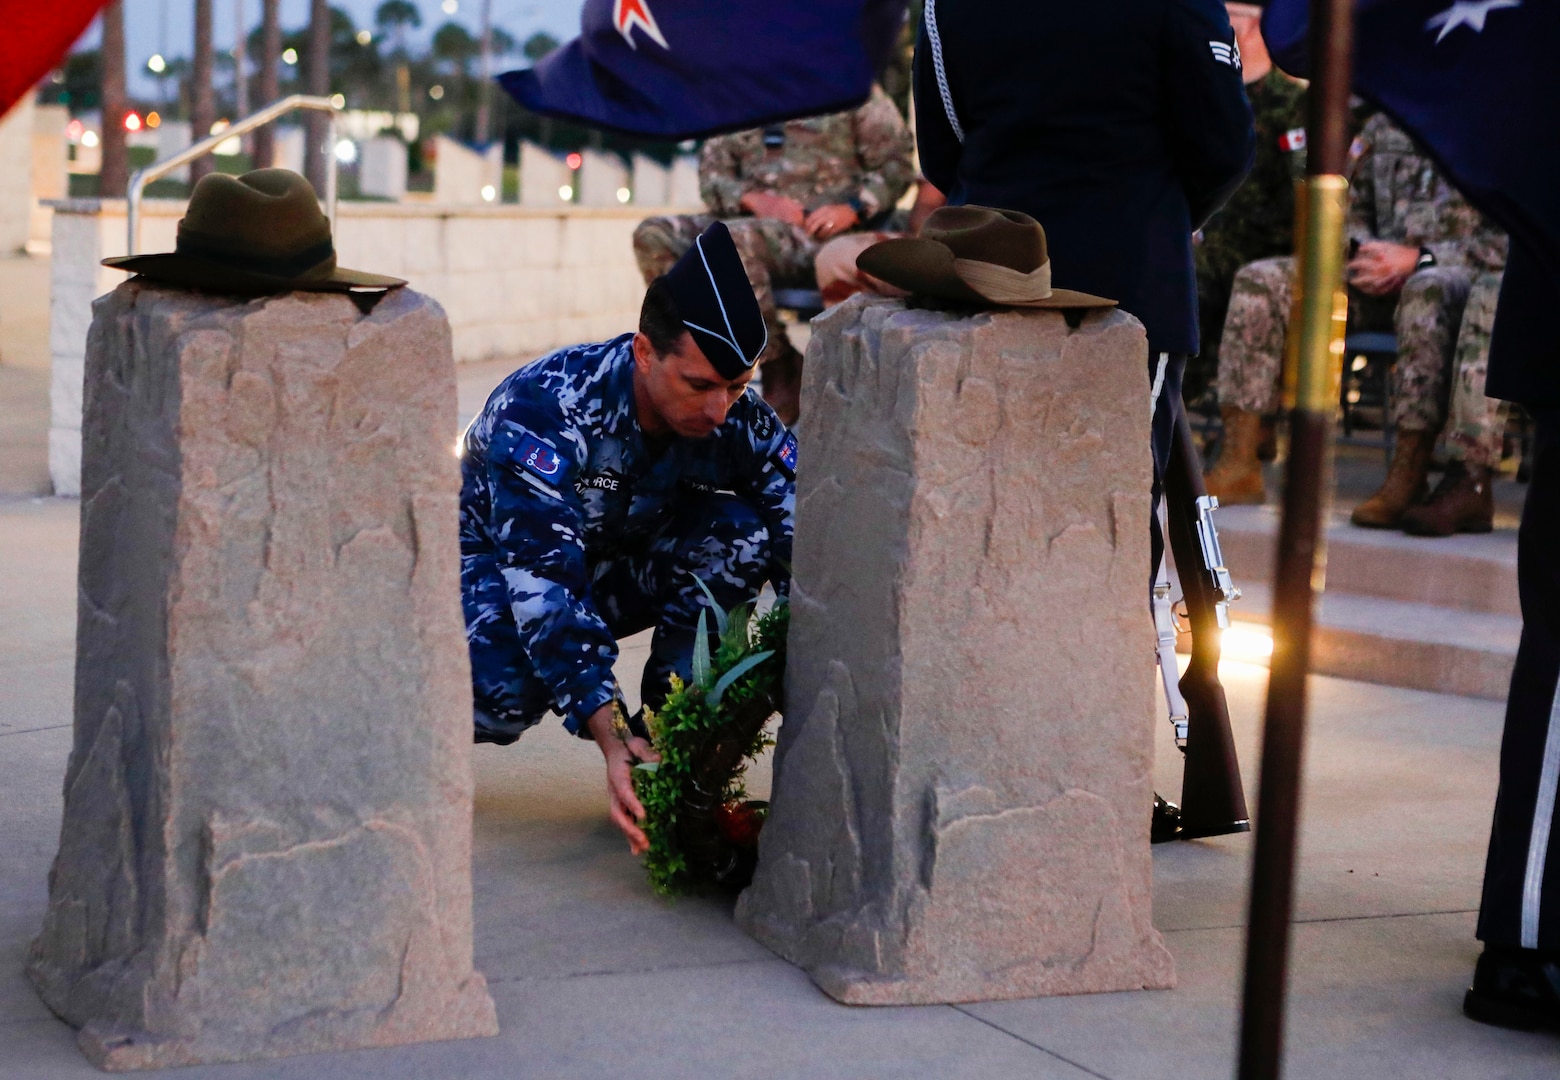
(1213, 801)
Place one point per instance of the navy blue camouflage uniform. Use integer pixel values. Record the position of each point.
(576, 530)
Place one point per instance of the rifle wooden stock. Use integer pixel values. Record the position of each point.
(1213, 801)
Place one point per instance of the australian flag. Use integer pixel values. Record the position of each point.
(1477, 82)
(686, 69)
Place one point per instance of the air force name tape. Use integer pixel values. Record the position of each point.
(717, 305)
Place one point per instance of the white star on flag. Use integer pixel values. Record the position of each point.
(1469, 13)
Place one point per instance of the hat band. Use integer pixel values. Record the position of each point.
(286, 266)
(1003, 284)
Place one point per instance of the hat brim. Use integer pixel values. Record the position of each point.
(195, 273)
(925, 268)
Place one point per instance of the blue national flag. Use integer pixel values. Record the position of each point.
(1477, 82)
(686, 69)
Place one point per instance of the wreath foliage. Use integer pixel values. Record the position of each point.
(702, 829)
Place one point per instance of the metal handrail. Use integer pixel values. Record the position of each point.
(158, 169)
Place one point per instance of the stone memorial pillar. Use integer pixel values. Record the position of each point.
(962, 784)
(266, 846)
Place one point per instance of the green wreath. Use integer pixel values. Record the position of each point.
(703, 829)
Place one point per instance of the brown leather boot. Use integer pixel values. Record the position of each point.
(1237, 479)
(1267, 445)
(782, 385)
(1464, 501)
(1405, 484)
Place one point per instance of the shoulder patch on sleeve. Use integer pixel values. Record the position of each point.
(539, 459)
(785, 455)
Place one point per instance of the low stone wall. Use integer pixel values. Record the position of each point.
(515, 281)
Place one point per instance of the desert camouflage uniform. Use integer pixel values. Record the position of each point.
(575, 533)
(861, 157)
(1258, 221)
(1476, 424)
(1399, 196)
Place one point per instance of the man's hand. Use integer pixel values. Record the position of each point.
(830, 220)
(1381, 268)
(624, 805)
(767, 204)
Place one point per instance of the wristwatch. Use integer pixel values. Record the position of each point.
(1426, 259)
(855, 203)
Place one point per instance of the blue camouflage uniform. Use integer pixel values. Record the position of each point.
(576, 530)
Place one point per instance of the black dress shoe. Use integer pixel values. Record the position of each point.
(1165, 825)
(1515, 988)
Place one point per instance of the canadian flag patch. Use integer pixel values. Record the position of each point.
(1292, 140)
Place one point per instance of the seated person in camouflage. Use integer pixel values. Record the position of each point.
(1258, 221)
(599, 483)
(1415, 244)
(783, 190)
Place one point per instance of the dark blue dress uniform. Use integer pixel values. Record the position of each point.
(1517, 982)
(1119, 127)
(576, 530)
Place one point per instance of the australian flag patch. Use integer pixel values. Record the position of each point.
(540, 460)
(785, 457)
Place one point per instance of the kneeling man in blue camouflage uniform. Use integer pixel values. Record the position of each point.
(599, 483)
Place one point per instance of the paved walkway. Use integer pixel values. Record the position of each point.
(594, 977)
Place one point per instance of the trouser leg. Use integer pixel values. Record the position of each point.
(1475, 424)
(1429, 314)
(1165, 372)
(661, 241)
(1251, 349)
(1521, 902)
(507, 694)
(717, 539)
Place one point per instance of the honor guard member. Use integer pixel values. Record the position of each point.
(1119, 127)
(602, 484)
(1517, 981)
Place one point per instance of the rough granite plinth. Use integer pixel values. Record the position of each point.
(266, 847)
(962, 784)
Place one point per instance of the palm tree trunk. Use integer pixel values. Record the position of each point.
(203, 111)
(485, 73)
(314, 164)
(270, 56)
(116, 163)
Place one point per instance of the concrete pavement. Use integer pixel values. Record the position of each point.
(595, 977)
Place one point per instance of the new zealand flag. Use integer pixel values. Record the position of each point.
(1477, 82)
(686, 69)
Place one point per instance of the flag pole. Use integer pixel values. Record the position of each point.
(1313, 370)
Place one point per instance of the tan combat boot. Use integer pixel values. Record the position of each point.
(1237, 479)
(1464, 501)
(1405, 483)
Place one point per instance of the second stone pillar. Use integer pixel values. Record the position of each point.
(962, 788)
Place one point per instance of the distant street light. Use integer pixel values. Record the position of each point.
(436, 92)
(157, 65)
(289, 56)
(346, 151)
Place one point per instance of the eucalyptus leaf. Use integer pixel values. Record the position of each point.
(701, 650)
(741, 669)
(720, 614)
